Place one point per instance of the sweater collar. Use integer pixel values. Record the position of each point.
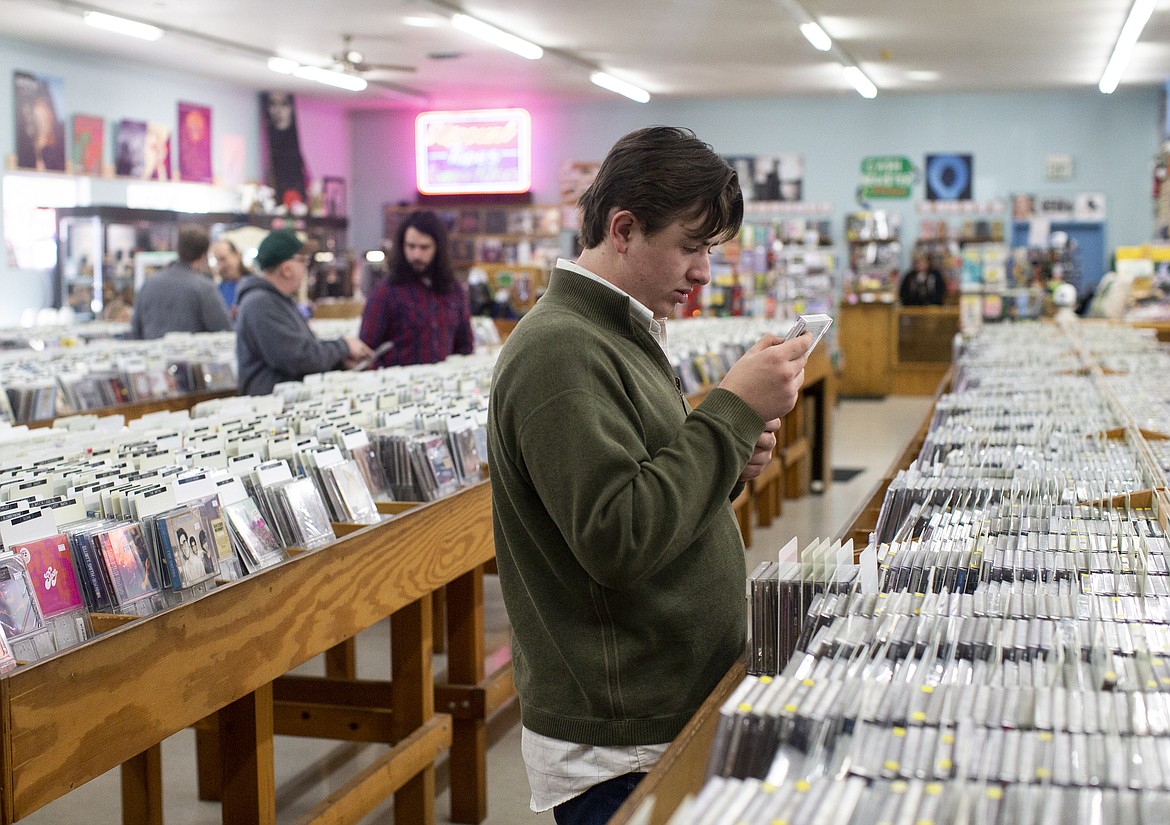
(639, 314)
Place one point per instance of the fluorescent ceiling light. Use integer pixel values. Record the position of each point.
(422, 22)
(497, 37)
(350, 82)
(282, 65)
(608, 81)
(122, 26)
(1139, 14)
(860, 82)
(814, 34)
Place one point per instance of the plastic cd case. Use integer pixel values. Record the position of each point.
(818, 325)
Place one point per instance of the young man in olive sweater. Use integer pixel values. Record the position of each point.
(621, 564)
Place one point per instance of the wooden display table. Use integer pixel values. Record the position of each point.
(112, 700)
(136, 410)
(338, 308)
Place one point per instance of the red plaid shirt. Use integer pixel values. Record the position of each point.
(425, 326)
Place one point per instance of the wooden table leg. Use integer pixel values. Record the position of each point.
(413, 701)
(341, 660)
(468, 761)
(142, 799)
(208, 761)
(439, 620)
(249, 777)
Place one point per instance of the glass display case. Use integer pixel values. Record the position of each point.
(99, 247)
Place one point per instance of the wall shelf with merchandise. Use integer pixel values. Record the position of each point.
(782, 264)
(943, 240)
(875, 257)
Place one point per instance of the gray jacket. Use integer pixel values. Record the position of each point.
(274, 342)
(178, 299)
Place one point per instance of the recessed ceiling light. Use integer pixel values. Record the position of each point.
(422, 22)
(923, 75)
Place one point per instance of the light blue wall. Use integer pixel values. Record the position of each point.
(1111, 138)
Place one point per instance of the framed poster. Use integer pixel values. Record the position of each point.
(948, 177)
(194, 142)
(38, 103)
(129, 159)
(88, 144)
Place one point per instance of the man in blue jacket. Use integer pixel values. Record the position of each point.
(273, 340)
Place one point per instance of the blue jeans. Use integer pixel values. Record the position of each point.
(599, 803)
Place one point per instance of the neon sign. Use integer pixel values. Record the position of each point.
(473, 152)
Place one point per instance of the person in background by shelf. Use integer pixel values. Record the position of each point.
(620, 559)
(181, 298)
(922, 285)
(229, 266)
(274, 342)
(419, 306)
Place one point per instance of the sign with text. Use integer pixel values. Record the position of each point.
(886, 176)
(473, 152)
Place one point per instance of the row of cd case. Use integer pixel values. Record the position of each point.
(916, 802)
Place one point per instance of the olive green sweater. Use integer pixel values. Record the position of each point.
(620, 561)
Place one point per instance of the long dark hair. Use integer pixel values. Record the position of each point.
(440, 272)
(662, 174)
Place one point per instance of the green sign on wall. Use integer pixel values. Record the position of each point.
(886, 176)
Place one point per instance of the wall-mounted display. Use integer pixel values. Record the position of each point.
(131, 148)
(285, 164)
(769, 177)
(40, 129)
(88, 144)
(194, 142)
(949, 177)
(156, 154)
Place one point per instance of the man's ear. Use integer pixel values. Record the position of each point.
(622, 227)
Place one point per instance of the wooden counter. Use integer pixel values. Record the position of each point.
(890, 349)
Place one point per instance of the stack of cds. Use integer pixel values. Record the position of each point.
(1002, 654)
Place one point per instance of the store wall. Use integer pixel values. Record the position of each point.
(1112, 140)
(116, 89)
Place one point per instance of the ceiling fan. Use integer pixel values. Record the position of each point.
(352, 61)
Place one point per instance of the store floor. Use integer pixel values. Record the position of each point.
(868, 435)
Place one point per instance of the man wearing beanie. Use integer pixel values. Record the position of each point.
(273, 340)
(180, 298)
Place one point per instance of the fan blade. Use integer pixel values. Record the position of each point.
(384, 67)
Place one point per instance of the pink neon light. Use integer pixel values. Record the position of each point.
(473, 152)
